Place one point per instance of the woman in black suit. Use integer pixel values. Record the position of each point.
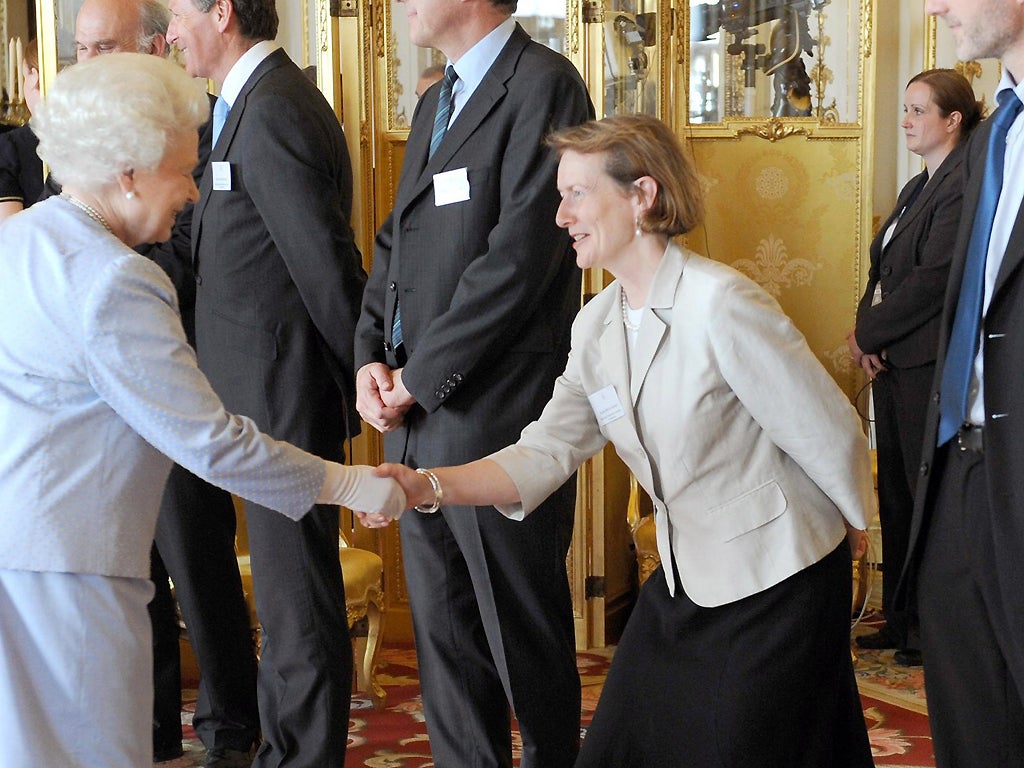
(21, 170)
(896, 336)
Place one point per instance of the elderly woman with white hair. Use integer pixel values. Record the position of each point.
(99, 392)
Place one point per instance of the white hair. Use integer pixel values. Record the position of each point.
(114, 113)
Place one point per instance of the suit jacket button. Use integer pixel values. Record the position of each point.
(392, 286)
(199, 279)
(458, 378)
(886, 270)
(923, 471)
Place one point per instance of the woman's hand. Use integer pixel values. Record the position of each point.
(418, 490)
(858, 541)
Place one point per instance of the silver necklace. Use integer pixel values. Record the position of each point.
(625, 314)
(89, 211)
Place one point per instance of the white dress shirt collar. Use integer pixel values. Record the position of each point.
(242, 69)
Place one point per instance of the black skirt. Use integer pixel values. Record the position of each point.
(766, 681)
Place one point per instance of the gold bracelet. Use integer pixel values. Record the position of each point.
(438, 493)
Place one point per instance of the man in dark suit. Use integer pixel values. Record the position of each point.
(195, 536)
(278, 287)
(484, 287)
(967, 536)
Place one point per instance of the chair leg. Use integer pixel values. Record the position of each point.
(366, 672)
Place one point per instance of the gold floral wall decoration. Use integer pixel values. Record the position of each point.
(773, 269)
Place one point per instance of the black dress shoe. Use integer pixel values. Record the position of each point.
(882, 639)
(229, 758)
(908, 657)
(166, 754)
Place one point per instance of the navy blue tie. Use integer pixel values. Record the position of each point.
(963, 339)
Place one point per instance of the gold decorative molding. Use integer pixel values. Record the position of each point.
(774, 129)
(972, 70)
(866, 27)
(377, 24)
(573, 12)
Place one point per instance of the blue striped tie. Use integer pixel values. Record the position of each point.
(444, 108)
(444, 112)
(963, 338)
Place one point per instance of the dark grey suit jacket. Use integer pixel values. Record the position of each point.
(1004, 397)
(913, 269)
(488, 286)
(279, 278)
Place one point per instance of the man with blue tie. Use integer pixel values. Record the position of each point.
(464, 328)
(278, 285)
(967, 536)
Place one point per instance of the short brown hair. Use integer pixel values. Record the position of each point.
(635, 146)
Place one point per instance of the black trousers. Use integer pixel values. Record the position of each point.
(483, 587)
(305, 673)
(973, 666)
(901, 401)
(195, 546)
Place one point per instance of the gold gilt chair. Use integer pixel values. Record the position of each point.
(364, 603)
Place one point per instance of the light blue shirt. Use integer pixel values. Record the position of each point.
(474, 63)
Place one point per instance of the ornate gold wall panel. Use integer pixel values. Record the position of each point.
(789, 214)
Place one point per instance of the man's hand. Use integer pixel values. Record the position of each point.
(397, 396)
(373, 386)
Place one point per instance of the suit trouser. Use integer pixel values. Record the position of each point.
(973, 673)
(901, 401)
(305, 671)
(482, 588)
(195, 540)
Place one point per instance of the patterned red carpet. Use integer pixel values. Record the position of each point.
(396, 737)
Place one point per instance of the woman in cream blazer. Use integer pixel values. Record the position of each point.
(737, 652)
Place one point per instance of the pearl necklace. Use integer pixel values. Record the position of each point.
(89, 211)
(625, 313)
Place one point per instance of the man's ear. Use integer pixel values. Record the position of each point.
(159, 46)
(225, 12)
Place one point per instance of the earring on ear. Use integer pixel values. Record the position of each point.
(129, 195)
(639, 232)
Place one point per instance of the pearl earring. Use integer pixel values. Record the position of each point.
(639, 232)
(129, 195)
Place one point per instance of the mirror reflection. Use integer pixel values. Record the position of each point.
(774, 58)
(631, 58)
(413, 69)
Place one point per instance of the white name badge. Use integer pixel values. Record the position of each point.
(606, 404)
(451, 187)
(221, 175)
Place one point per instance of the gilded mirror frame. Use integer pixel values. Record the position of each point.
(832, 112)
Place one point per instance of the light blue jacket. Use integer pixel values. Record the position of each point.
(99, 391)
